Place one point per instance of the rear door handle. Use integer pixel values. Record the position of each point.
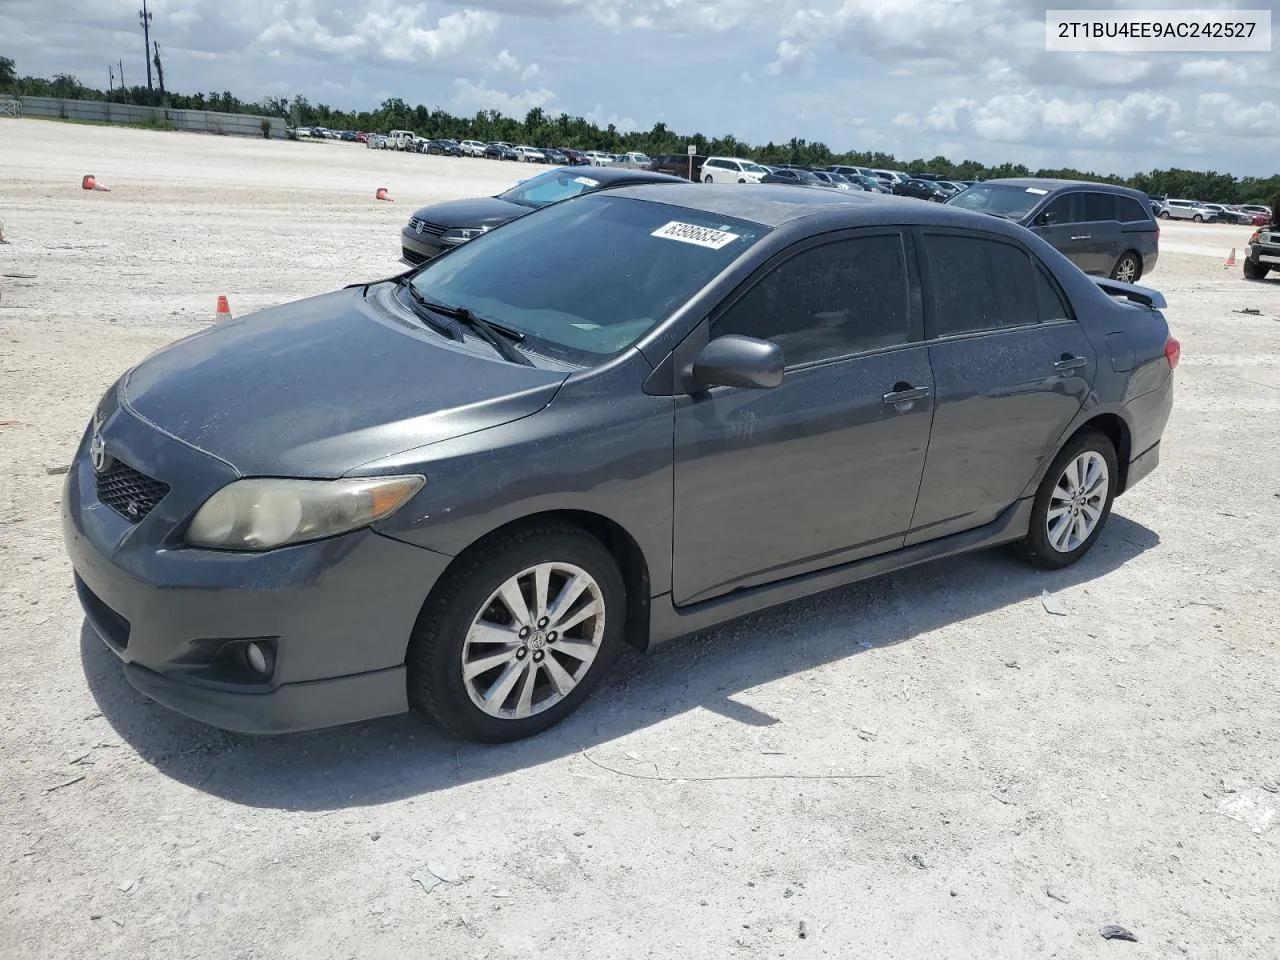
(1083, 236)
(905, 393)
(1069, 363)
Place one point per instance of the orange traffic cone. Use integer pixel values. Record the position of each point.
(2, 239)
(224, 309)
(90, 182)
(382, 195)
(1231, 258)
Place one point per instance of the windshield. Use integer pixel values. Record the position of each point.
(549, 187)
(1001, 200)
(584, 280)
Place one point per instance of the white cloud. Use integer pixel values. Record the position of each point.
(470, 98)
(1225, 71)
(906, 120)
(746, 78)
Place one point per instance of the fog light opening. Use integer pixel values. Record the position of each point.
(256, 658)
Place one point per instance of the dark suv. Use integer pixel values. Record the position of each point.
(1103, 229)
(678, 165)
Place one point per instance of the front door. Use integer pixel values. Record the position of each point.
(824, 468)
(1012, 368)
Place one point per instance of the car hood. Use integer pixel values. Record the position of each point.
(476, 212)
(318, 387)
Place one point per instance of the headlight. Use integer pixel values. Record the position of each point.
(260, 514)
(462, 234)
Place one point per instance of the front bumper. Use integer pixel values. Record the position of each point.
(1264, 254)
(417, 248)
(337, 613)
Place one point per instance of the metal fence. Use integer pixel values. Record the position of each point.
(196, 121)
(10, 107)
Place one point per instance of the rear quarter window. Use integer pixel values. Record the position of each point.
(1129, 210)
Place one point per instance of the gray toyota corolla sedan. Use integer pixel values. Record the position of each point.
(620, 419)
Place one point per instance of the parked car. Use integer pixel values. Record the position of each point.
(443, 147)
(402, 140)
(599, 159)
(679, 165)
(922, 190)
(472, 148)
(528, 154)
(492, 474)
(1263, 253)
(1261, 214)
(376, 141)
(731, 170)
(1174, 209)
(439, 227)
(794, 177)
(1103, 229)
(891, 176)
(500, 151)
(850, 172)
(635, 160)
(554, 156)
(575, 158)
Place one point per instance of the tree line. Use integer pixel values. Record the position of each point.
(561, 130)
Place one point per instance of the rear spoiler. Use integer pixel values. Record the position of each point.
(1131, 291)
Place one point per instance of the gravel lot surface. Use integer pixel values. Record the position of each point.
(1023, 779)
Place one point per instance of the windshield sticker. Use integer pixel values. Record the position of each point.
(1037, 190)
(586, 181)
(691, 233)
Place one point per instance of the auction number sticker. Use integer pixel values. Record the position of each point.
(586, 181)
(692, 233)
(1037, 190)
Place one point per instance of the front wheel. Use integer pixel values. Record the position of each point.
(1164, 214)
(1198, 219)
(1128, 268)
(1073, 502)
(519, 634)
(707, 179)
(1255, 271)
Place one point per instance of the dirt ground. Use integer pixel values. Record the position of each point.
(928, 765)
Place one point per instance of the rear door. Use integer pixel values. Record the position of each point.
(1101, 232)
(1011, 367)
(824, 468)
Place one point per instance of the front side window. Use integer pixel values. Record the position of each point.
(830, 301)
(585, 279)
(979, 284)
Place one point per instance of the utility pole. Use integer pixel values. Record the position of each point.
(159, 69)
(124, 96)
(144, 17)
(111, 82)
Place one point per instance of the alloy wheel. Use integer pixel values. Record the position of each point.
(1127, 269)
(1077, 501)
(533, 641)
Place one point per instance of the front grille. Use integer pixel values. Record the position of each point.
(413, 256)
(129, 493)
(423, 226)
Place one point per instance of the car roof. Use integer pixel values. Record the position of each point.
(613, 174)
(1055, 183)
(773, 205)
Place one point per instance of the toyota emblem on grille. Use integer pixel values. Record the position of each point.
(98, 452)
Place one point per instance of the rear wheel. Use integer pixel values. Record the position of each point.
(519, 634)
(1128, 268)
(1073, 502)
(1255, 271)
(1164, 214)
(707, 179)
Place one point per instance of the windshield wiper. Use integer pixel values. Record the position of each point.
(423, 307)
(501, 338)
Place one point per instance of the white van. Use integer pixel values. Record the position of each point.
(402, 140)
(731, 170)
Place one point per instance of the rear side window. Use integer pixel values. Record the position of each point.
(830, 301)
(1048, 299)
(1129, 210)
(1099, 206)
(980, 284)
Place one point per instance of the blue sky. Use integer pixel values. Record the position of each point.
(966, 79)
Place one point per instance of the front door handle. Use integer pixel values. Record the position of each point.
(905, 393)
(1083, 236)
(1069, 363)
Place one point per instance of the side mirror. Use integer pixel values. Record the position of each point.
(1046, 218)
(737, 361)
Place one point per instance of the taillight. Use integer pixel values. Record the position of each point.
(1172, 352)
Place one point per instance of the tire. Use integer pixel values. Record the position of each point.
(1164, 214)
(1038, 547)
(435, 661)
(741, 180)
(707, 179)
(1197, 218)
(1255, 271)
(1128, 266)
